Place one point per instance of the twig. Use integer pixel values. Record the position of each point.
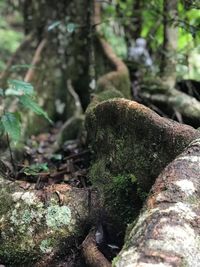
(11, 156)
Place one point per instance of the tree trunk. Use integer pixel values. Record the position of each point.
(170, 39)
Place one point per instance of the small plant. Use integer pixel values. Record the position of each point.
(10, 122)
(34, 169)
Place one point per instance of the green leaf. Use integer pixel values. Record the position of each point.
(71, 27)
(12, 125)
(56, 157)
(29, 103)
(14, 92)
(22, 66)
(53, 25)
(19, 88)
(34, 169)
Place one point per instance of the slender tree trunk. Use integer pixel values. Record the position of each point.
(170, 34)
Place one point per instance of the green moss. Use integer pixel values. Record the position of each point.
(99, 174)
(103, 96)
(6, 201)
(119, 191)
(115, 80)
(115, 260)
(119, 194)
(18, 257)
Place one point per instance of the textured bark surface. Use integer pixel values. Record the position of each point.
(167, 231)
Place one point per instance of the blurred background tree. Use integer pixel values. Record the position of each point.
(170, 28)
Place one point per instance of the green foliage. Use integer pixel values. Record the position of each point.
(24, 92)
(28, 102)
(34, 169)
(9, 38)
(19, 88)
(11, 124)
(121, 182)
(121, 14)
(117, 42)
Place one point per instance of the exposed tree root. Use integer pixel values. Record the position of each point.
(118, 78)
(128, 138)
(134, 139)
(36, 59)
(188, 106)
(93, 257)
(167, 230)
(74, 121)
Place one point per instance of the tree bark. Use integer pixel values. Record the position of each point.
(38, 225)
(166, 232)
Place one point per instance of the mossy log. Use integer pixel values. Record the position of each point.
(166, 232)
(38, 225)
(131, 145)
